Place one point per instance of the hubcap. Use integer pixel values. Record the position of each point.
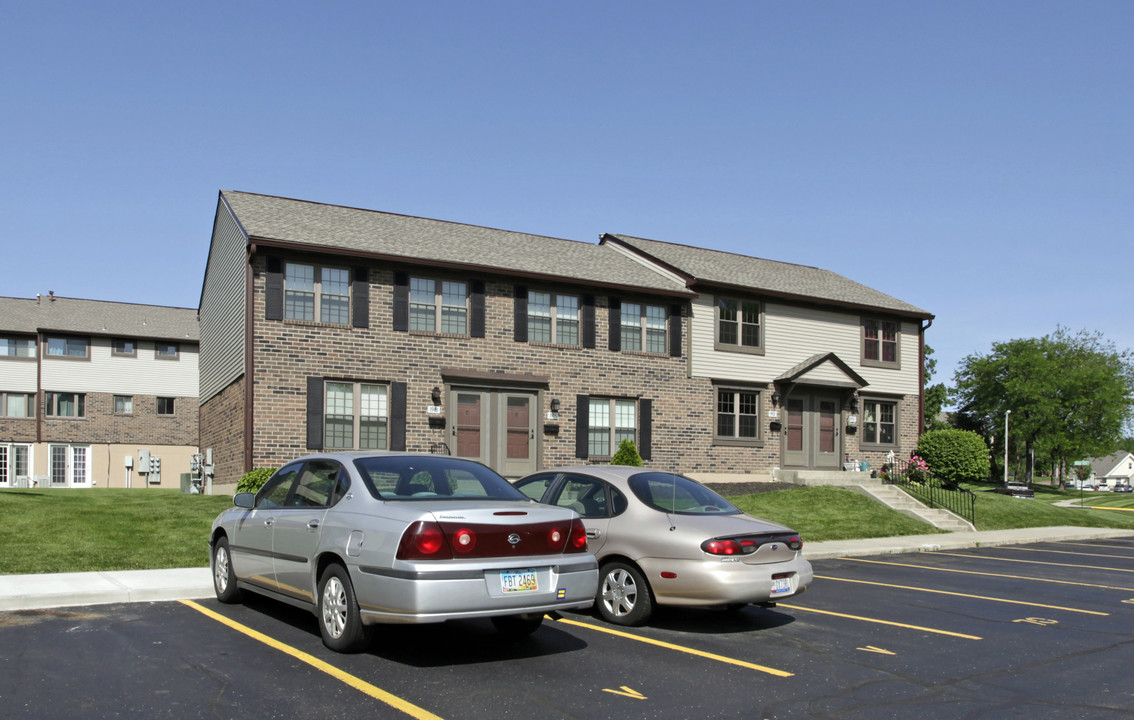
(334, 607)
(220, 570)
(619, 593)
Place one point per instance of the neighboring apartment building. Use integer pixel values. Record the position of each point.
(325, 327)
(1113, 470)
(88, 389)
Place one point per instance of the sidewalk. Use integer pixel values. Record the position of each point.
(37, 592)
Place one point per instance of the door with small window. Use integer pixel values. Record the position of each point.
(15, 465)
(811, 431)
(497, 428)
(69, 465)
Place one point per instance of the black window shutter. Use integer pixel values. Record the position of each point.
(615, 323)
(521, 314)
(646, 429)
(401, 301)
(273, 296)
(397, 416)
(314, 413)
(476, 309)
(360, 297)
(582, 425)
(589, 321)
(675, 331)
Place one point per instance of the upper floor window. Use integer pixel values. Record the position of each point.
(166, 351)
(609, 422)
(123, 405)
(61, 404)
(643, 327)
(553, 318)
(17, 405)
(438, 306)
(72, 347)
(879, 422)
(313, 291)
(356, 416)
(880, 343)
(122, 347)
(15, 346)
(739, 325)
(738, 415)
(165, 406)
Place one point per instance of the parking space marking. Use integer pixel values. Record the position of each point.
(965, 595)
(1038, 562)
(355, 682)
(626, 692)
(872, 649)
(679, 648)
(1064, 552)
(1091, 545)
(883, 622)
(988, 574)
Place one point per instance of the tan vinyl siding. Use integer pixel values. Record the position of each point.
(222, 307)
(793, 334)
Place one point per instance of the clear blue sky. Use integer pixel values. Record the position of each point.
(971, 158)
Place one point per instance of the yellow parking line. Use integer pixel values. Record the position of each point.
(986, 574)
(357, 683)
(965, 595)
(1037, 562)
(1063, 552)
(882, 622)
(679, 648)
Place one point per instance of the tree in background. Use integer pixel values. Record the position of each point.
(1071, 395)
(935, 396)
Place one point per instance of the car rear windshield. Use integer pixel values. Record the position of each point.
(433, 478)
(678, 494)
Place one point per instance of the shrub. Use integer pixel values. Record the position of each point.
(627, 454)
(955, 455)
(253, 480)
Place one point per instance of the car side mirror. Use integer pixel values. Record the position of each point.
(244, 499)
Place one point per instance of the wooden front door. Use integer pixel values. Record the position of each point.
(812, 437)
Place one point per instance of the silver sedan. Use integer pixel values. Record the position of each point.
(364, 539)
(663, 539)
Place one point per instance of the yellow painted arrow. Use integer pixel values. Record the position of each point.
(626, 692)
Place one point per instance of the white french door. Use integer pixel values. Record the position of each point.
(15, 465)
(69, 465)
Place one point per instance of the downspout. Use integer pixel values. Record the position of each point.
(249, 329)
(39, 398)
(921, 376)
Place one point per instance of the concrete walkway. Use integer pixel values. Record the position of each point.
(38, 592)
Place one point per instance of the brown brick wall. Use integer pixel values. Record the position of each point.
(222, 429)
(144, 426)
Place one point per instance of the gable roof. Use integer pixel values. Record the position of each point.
(310, 226)
(1106, 466)
(815, 361)
(51, 313)
(701, 266)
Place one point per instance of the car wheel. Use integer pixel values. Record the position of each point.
(340, 622)
(624, 595)
(515, 626)
(224, 579)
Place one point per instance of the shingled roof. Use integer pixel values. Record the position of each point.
(717, 268)
(97, 317)
(313, 226)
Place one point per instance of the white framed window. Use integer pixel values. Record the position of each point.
(69, 347)
(439, 306)
(609, 422)
(643, 328)
(63, 404)
(16, 346)
(738, 416)
(15, 465)
(356, 416)
(17, 404)
(553, 318)
(315, 291)
(879, 422)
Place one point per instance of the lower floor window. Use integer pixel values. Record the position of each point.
(21, 405)
(165, 406)
(123, 405)
(356, 410)
(60, 404)
(69, 465)
(879, 425)
(610, 421)
(738, 414)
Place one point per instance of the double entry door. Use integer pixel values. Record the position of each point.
(811, 435)
(495, 427)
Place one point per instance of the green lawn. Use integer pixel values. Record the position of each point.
(55, 530)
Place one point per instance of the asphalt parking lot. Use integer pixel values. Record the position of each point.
(1036, 631)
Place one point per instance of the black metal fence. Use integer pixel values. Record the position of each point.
(931, 490)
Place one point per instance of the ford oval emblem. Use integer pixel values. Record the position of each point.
(775, 547)
(514, 538)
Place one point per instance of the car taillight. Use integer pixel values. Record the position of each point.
(425, 541)
(578, 539)
(747, 546)
(723, 547)
(795, 542)
(464, 540)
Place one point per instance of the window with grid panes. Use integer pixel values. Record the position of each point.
(553, 318)
(610, 421)
(356, 416)
(738, 414)
(879, 422)
(312, 291)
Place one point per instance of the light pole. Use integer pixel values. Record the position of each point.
(1006, 414)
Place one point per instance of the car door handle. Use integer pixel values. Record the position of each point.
(268, 522)
(594, 533)
(313, 525)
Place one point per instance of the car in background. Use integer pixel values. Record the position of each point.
(664, 539)
(1016, 490)
(365, 539)
(1123, 488)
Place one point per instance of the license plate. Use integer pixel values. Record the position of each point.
(518, 581)
(781, 586)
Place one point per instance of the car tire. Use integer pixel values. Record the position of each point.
(224, 578)
(624, 596)
(340, 622)
(517, 626)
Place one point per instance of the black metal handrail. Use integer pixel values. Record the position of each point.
(932, 490)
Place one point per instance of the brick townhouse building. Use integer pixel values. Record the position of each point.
(90, 389)
(327, 327)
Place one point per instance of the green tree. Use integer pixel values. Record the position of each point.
(1070, 395)
(627, 454)
(955, 455)
(934, 396)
